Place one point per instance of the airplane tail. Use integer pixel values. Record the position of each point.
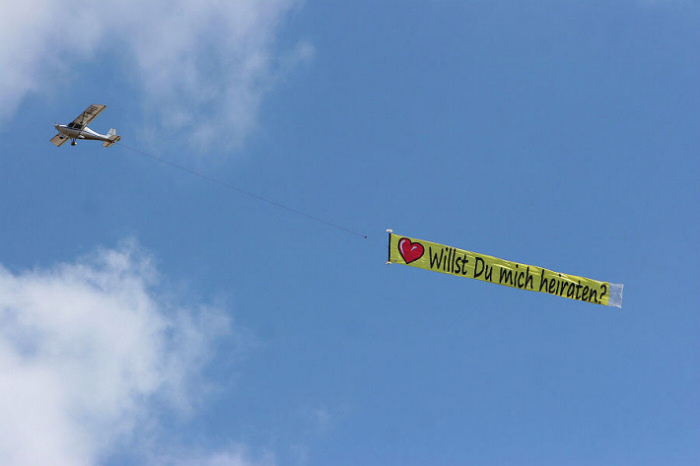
(113, 138)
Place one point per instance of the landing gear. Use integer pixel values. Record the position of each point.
(72, 143)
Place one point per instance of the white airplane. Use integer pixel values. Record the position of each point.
(77, 129)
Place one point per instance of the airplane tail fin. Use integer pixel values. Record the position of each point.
(113, 138)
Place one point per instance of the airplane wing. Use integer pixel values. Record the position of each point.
(87, 116)
(58, 140)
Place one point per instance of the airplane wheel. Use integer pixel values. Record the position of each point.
(72, 143)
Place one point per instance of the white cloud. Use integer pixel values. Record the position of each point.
(237, 455)
(88, 351)
(208, 62)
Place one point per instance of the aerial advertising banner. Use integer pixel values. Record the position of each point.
(445, 259)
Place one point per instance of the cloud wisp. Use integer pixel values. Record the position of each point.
(91, 353)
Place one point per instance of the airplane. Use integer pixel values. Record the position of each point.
(77, 129)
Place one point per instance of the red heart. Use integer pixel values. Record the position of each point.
(410, 251)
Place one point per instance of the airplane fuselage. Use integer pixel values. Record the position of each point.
(85, 133)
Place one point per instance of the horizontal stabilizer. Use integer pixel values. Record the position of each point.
(113, 138)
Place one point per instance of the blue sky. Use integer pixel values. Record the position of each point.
(148, 316)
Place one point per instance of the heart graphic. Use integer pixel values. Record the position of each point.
(410, 251)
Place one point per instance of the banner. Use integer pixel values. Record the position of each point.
(440, 258)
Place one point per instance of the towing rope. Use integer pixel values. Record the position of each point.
(242, 191)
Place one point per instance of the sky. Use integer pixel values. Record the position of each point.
(149, 316)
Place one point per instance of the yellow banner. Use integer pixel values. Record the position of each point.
(440, 258)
